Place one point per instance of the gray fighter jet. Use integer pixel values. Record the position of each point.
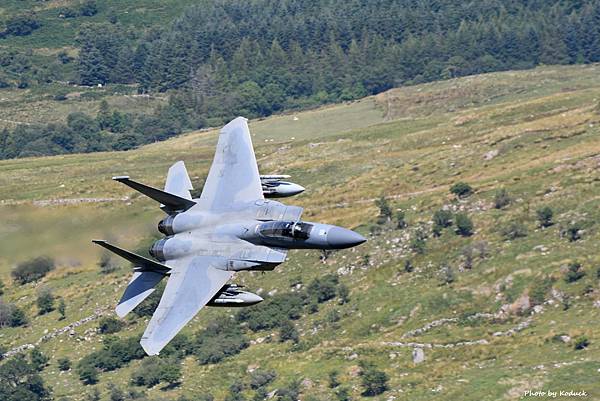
(230, 228)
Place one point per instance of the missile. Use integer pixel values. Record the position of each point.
(274, 186)
(232, 296)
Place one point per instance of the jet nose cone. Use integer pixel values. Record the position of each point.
(339, 238)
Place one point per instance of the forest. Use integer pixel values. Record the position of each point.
(223, 59)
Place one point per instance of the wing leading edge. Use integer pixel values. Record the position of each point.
(193, 282)
(233, 177)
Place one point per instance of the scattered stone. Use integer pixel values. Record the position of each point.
(491, 154)
(565, 339)
(418, 355)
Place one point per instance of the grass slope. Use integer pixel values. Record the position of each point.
(533, 133)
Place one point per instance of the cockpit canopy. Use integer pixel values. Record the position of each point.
(285, 229)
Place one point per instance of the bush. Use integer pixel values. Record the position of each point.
(64, 364)
(374, 382)
(21, 25)
(501, 199)
(461, 189)
(38, 360)
(62, 309)
(343, 294)
(106, 263)
(573, 231)
(32, 270)
(513, 230)
(447, 273)
(323, 289)
(218, 341)
(441, 219)
(581, 342)
(334, 379)
(574, 272)
(464, 225)
(45, 301)
(544, 216)
(385, 211)
(287, 331)
(539, 290)
(114, 354)
(154, 370)
(400, 220)
(273, 311)
(109, 325)
(261, 378)
(417, 244)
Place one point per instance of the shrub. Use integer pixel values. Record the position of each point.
(218, 341)
(408, 266)
(38, 360)
(464, 225)
(32, 270)
(334, 379)
(442, 218)
(88, 8)
(544, 216)
(21, 25)
(106, 263)
(154, 370)
(501, 199)
(374, 381)
(45, 301)
(62, 309)
(64, 364)
(418, 242)
(513, 230)
(273, 311)
(261, 378)
(448, 276)
(343, 294)
(324, 288)
(287, 331)
(109, 325)
(114, 354)
(581, 342)
(385, 211)
(1, 288)
(461, 189)
(400, 220)
(539, 290)
(574, 272)
(573, 231)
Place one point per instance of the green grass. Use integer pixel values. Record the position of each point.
(410, 145)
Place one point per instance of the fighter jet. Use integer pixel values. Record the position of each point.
(230, 228)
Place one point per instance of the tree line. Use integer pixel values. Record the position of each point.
(223, 59)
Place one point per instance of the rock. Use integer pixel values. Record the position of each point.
(521, 305)
(565, 339)
(307, 383)
(354, 371)
(491, 154)
(540, 248)
(597, 304)
(418, 355)
(251, 368)
(352, 356)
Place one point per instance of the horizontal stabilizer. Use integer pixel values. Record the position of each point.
(140, 287)
(169, 202)
(141, 263)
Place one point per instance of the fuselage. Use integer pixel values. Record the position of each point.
(256, 232)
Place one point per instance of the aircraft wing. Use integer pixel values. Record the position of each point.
(233, 177)
(192, 284)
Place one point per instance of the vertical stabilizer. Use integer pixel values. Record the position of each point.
(178, 181)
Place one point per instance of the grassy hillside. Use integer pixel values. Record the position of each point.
(532, 133)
